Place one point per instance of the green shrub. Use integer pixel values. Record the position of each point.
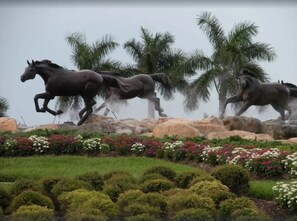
(164, 171)
(193, 215)
(72, 200)
(228, 206)
(30, 197)
(128, 197)
(175, 191)
(86, 214)
(155, 200)
(142, 217)
(5, 198)
(1, 214)
(181, 202)
(158, 185)
(135, 209)
(183, 180)
(248, 214)
(213, 189)
(23, 184)
(233, 176)
(33, 212)
(106, 206)
(151, 176)
(47, 184)
(120, 173)
(94, 178)
(197, 179)
(68, 185)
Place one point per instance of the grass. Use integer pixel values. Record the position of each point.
(262, 189)
(70, 166)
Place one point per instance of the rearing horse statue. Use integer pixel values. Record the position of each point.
(253, 92)
(61, 82)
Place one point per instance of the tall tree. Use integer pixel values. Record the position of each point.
(154, 54)
(88, 56)
(4, 106)
(232, 53)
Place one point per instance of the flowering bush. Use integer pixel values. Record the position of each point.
(137, 148)
(291, 164)
(9, 146)
(286, 194)
(63, 144)
(40, 143)
(169, 148)
(93, 145)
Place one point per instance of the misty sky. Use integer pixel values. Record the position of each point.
(38, 32)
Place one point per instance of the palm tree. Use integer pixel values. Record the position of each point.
(154, 54)
(232, 53)
(3, 106)
(86, 56)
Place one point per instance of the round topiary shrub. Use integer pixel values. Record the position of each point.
(228, 206)
(5, 198)
(201, 178)
(181, 202)
(158, 185)
(151, 176)
(142, 217)
(30, 197)
(68, 185)
(94, 178)
(86, 214)
(120, 173)
(135, 209)
(47, 184)
(106, 206)
(233, 176)
(183, 180)
(248, 214)
(23, 184)
(164, 171)
(155, 200)
(128, 197)
(33, 212)
(74, 199)
(175, 191)
(193, 215)
(213, 189)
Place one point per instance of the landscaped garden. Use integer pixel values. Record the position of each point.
(62, 175)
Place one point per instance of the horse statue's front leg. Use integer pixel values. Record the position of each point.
(233, 99)
(47, 97)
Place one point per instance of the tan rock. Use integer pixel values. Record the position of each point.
(224, 134)
(243, 123)
(211, 120)
(205, 129)
(264, 137)
(44, 127)
(293, 140)
(175, 128)
(8, 124)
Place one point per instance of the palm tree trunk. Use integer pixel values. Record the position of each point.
(151, 109)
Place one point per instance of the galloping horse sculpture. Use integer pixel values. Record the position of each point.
(253, 92)
(141, 85)
(61, 82)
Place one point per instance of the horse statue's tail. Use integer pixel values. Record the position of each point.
(165, 82)
(111, 81)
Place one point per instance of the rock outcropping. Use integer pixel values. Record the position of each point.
(211, 127)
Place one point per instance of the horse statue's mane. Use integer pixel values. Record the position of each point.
(49, 63)
(111, 73)
(288, 84)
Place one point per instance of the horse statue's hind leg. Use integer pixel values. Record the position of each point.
(233, 99)
(87, 110)
(156, 101)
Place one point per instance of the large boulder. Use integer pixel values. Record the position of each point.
(243, 123)
(178, 128)
(8, 124)
(225, 134)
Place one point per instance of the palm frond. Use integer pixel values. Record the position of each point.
(211, 26)
(4, 106)
(242, 33)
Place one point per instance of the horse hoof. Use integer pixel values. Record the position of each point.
(163, 115)
(59, 112)
(42, 110)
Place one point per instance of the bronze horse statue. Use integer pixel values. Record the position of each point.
(61, 82)
(253, 92)
(140, 85)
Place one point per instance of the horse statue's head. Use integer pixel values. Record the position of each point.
(30, 71)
